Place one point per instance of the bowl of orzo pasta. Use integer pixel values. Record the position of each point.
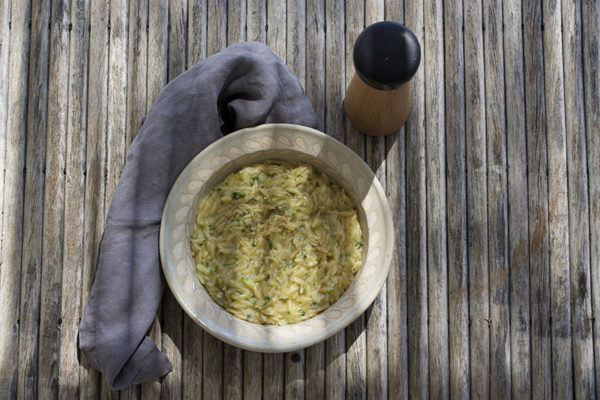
(276, 237)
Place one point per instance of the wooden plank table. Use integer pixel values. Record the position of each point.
(494, 183)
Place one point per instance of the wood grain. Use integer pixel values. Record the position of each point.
(397, 351)
(177, 37)
(192, 359)
(518, 254)
(68, 365)
(497, 201)
(4, 46)
(14, 182)
(416, 235)
(315, 58)
(590, 15)
(216, 35)
(137, 67)
(435, 165)
(158, 42)
(477, 216)
(296, 38)
(273, 376)
(376, 315)
(334, 69)
(232, 372)
(276, 27)
(106, 393)
(537, 187)
(117, 124)
(172, 337)
(54, 201)
(294, 375)
(355, 23)
(558, 215)
(35, 157)
(458, 272)
(212, 367)
(315, 371)
(256, 20)
(579, 241)
(196, 31)
(236, 21)
(253, 375)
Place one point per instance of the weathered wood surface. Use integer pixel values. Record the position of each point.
(477, 225)
(516, 154)
(54, 202)
(494, 184)
(456, 200)
(537, 186)
(435, 194)
(416, 224)
(590, 15)
(558, 215)
(14, 183)
(579, 235)
(68, 368)
(35, 155)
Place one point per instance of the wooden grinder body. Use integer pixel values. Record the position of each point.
(376, 112)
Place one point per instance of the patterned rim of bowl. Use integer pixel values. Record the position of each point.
(297, 144)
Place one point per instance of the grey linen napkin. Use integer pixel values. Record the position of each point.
(242, 86)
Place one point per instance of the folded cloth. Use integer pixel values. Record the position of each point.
(242, 86)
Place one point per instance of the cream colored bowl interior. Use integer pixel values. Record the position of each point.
(294, 144)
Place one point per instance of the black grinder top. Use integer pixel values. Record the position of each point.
(386, 55)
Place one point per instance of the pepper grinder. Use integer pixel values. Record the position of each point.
(386, 57)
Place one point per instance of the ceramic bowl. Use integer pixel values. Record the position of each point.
(294, 144)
